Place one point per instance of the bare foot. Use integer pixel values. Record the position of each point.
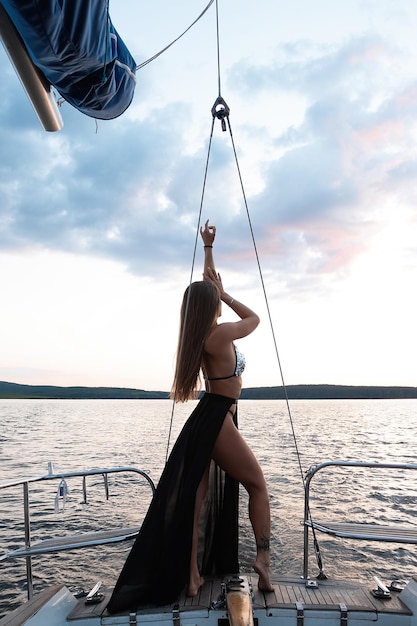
(194, 586)
(264, 582)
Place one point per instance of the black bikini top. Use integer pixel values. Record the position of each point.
(240, 366)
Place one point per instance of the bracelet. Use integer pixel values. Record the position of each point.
(208, 246)
(231, 301)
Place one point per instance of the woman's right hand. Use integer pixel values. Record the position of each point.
(214, 277)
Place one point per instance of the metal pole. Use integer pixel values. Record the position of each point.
(34, 82)
(27, 539)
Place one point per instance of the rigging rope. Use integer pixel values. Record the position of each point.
(321, 574)
(192, 266)
(218, 47)
(221, 111)
(155, 56)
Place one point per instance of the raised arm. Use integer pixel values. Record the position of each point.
(249, 320)
(208, 235)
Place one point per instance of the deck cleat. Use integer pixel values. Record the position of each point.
(94, 596)
(381, 592)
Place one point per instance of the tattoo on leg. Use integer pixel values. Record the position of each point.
(263, 544)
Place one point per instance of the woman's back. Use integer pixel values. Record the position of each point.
(223, 364)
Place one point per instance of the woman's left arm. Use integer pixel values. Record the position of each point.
(208, 235)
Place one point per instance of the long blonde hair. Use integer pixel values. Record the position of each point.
(199, 308)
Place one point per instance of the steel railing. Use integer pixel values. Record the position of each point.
(68, 542)
(352, 530)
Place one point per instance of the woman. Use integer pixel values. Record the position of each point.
(208, 460)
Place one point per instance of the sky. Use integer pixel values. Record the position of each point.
(98, 222)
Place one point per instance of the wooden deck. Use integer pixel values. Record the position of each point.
(289, 594)
(329, 596)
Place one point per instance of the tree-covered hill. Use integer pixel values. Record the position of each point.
(294, 392)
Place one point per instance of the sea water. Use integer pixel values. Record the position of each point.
(287, 440)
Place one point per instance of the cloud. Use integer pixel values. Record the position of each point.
(310, 68)
(324, 192)
(130, 190)
(84, 191)
(126, 190)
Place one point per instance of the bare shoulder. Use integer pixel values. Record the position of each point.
(223, 335)
(229, 331)
(220, 337)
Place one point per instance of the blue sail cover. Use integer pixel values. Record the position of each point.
(77, 48)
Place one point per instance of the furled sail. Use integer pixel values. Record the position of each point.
(77, 48)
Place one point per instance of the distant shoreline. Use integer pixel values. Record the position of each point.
(10, 391)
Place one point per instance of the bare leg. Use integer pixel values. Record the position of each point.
(196, 581)
(233, 455)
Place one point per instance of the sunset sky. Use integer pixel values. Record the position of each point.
(98, 221)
